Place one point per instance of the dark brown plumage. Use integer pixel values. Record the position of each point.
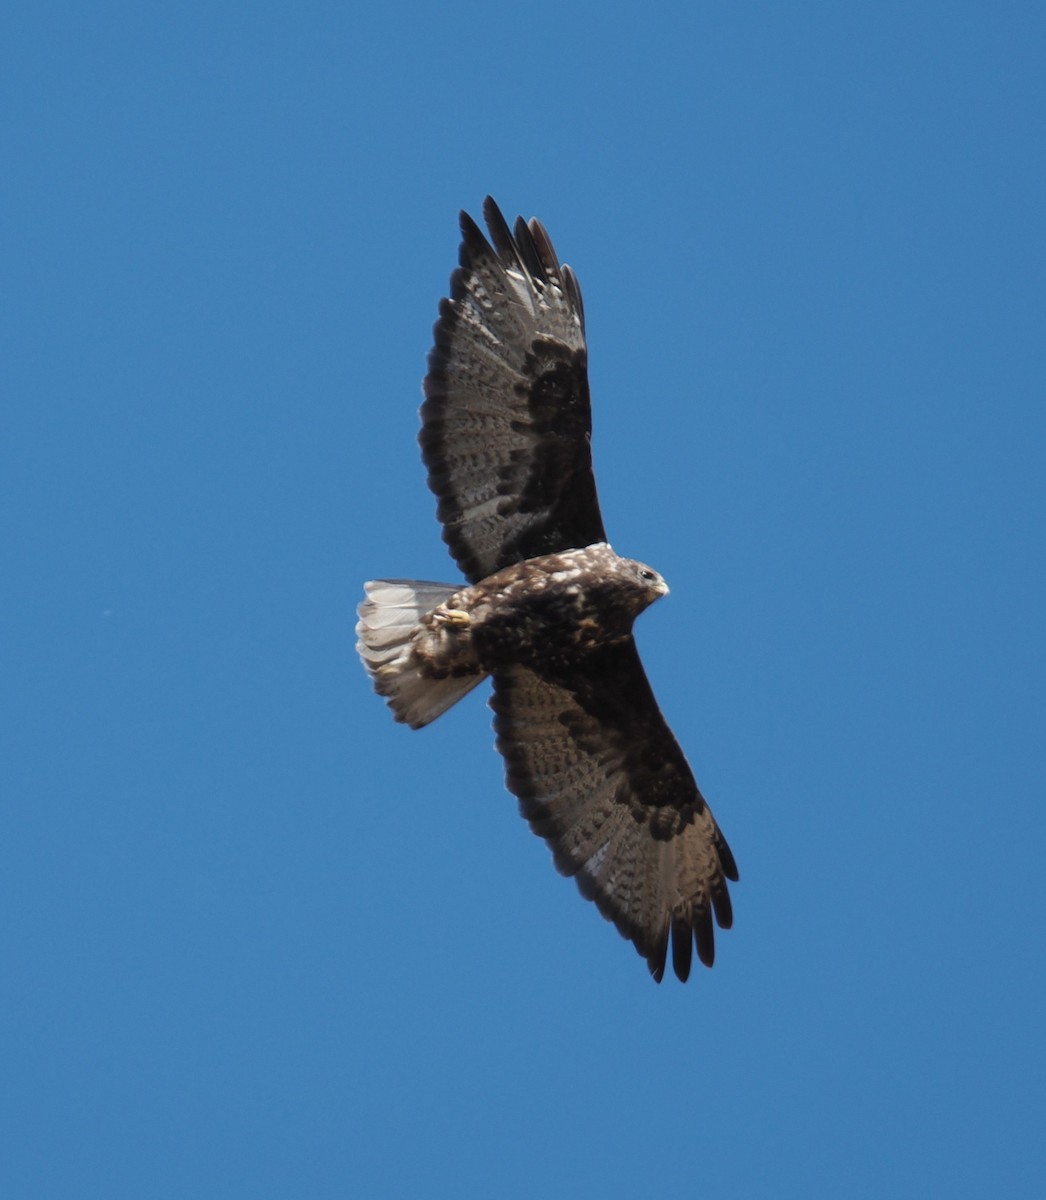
(549, 607)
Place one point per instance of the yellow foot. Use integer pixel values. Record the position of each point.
(456, 617)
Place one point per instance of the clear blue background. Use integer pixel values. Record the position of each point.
(255, 939)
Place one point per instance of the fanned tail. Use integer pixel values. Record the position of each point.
(389, 617)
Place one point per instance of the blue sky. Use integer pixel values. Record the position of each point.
(259, 941)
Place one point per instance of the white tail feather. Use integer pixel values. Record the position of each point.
(388, 618)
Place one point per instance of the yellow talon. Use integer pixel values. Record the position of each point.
(457, 617)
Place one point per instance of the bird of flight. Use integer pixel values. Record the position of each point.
(548, 609)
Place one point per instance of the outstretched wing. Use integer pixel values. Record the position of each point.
(601, 778)
(506, 421)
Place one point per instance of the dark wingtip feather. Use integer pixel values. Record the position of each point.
(473, 242)
(721, 903)
(491, 211)
(500, 234)
(726, 857)
(573, 290)
(543, 245)
(682, 947)
(528, 252)
(704, 936)
(655, 952)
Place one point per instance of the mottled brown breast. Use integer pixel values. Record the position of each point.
(556, 609)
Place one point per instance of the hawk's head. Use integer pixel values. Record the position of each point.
(619, 589)
(651, 585)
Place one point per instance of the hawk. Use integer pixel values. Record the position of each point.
(548, 608)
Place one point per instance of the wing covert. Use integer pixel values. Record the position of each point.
(506, 422)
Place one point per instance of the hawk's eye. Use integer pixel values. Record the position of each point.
(649, 576)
